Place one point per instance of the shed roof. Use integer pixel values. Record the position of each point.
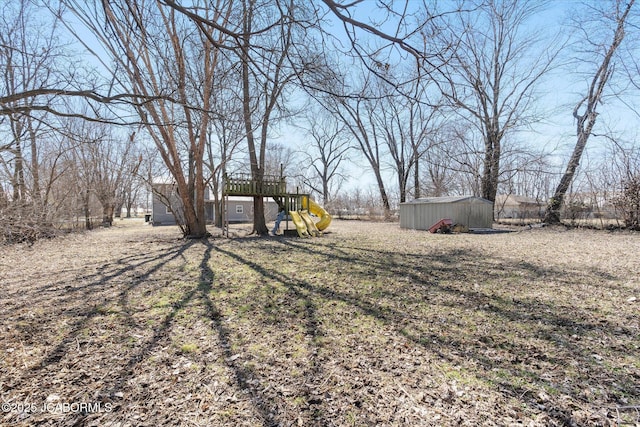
(448, 199)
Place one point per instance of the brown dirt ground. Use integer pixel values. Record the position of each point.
(367, 325)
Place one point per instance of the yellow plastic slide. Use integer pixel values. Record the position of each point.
(311, 226)
(317, 210)
(299, 223)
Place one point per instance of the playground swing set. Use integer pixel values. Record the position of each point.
(298, 205)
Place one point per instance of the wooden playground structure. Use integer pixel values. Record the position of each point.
(297, 205)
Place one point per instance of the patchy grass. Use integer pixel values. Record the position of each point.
(368, 325)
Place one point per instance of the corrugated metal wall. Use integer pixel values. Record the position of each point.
(473, 212)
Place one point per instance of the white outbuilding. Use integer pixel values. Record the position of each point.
(468, 211)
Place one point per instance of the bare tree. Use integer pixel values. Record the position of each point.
(357, 113)
(279, 159)
(404, 120)
(491, 73)
(26, 59)
(132, 182)
(103, 163)
(326, 154)
(43, 77)
(423, 125)
(585, 111)
(389, 120)
(114, 167)
(158, 56)
(75, 192)
(132, 190)
(30, 56)
(271, 65)
(271, 44)
(454, 161)
(627, 199)
(226, 133)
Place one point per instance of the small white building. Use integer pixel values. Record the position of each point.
(470, 211)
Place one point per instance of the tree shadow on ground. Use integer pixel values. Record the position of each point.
(313, 371)
(245, 378)
(66, 310)
(88, 299)
(462, 307)
(534, 347)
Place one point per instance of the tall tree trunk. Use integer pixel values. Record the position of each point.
(325, 187)
(117, 210)
(18, 173)
(586, 120)
(35, 169)
(259, 222)
(107, 214)
(86, 210)
(491, 173)
(218, 207)
(195, 224)
(143, 53)
(552, 214)
(257, 173)
(402, 184)
(416, 175)
(383, 194)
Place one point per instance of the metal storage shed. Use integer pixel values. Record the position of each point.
(473, 212)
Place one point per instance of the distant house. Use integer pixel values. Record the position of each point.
(167, 204)
(164, 200)
(469, 211)
(512, 206)
(240, 209)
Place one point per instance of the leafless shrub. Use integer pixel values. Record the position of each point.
(21, 223)
(628, 202)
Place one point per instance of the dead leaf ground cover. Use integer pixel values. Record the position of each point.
(368, 325)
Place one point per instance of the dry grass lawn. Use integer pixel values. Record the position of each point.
(369, 325)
